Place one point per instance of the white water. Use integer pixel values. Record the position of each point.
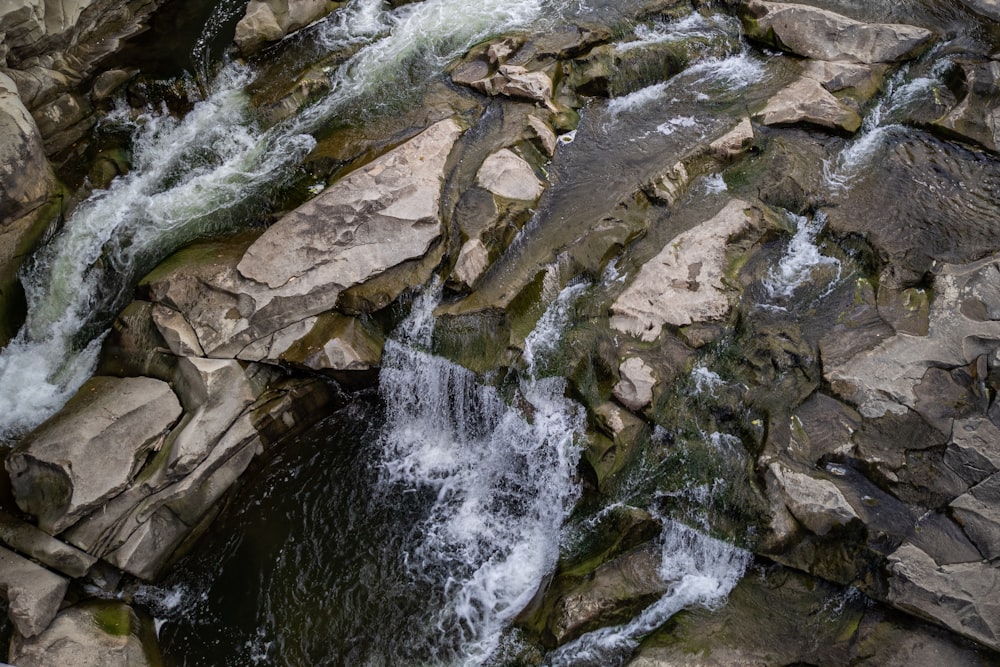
(800, 260)
(499, 478)
(198, 175)
(701, 571)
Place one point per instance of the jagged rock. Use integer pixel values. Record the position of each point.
(963, 325)
(472, 261)
(91, 449)
(91, 634)
(807, 101)
(372, 220)
(988, 8)
(506, 175)
(33, 593)
(858, 82)
(178, 334)
(978, 511)
(684, 283)
(617, 586)
(976, 118)
(546, 135)
(735, 142)
(824, 35)
(816, 503)
(44, 548)
(270, 20)
(26, 178)
(960, 596)
(669, 186)
(974, 450)
(635, 388)
(338, 343)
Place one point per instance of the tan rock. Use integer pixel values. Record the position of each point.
(506, 175)
(26, 178)
(635, 388)
(472, 261)
(807, 101)
(735, 142)
(33, 593)
(816, 503)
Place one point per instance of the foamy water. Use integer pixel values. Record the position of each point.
(801, 259)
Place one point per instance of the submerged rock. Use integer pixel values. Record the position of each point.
(684, 283)
(824, 35)
(91, 634)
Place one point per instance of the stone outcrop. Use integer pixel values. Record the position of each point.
(376, 218)
(91, 634)
(685, 282)
(270, 20)
(976, 117)
(33, 593)
(824, 35)
(83, 457)
(25, 175)
(807, 101)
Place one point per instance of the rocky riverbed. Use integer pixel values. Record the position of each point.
(657, 332)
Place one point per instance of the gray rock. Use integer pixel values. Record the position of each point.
(44, 548)
(807, 101)
(91, 634)
(976, 117)
(635, 388)
(824, 35)
(506, 175)
(884, 379)
(270, 20)
(735, 142)
(960, 597)
(26, 178)
(988, 8)
(974, 450)
(684, 283)
(91, 449)
(472, 261)
(978, 511)
(816, 503)
(33, 593)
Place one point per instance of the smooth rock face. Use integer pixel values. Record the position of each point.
(33, 593)
(964, 323)
(683, 284)
(472, 261)
(807, 101)
(816, 503)
(91, 449)
(823, 35)
(25, 175)
(976, 117)
(43, 547)
(635, 389)
(506, 175)
(91, 634)
(270, 20)
(962, 596)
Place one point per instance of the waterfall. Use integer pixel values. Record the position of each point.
(701, 570)
(207, 173)
(499, 479)
(801, 259)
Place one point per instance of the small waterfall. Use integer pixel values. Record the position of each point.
(499, 479)
(799, 263)
(206, 173)
(701, 570)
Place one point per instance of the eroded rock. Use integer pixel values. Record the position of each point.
(26, 178)
(33, 593)
(270, 20)
(507, 175)
(816, 503)
(635, 388)
(976, 117)
(807, 101)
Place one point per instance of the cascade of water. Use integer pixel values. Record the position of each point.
(499, 479)
(199, 175)
(801, 259)
(700, 570)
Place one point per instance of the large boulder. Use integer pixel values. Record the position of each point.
(91, 450)
(257, 306)
(684, 283)
(25, 175)
(270, 20)
(816, 503)
(507, 175)
(824, 35)
(807, 101)
(91, 634)
(976, 118)
(33, 593)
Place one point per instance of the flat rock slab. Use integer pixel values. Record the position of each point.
(962, 597)
(506, 175)
(816, 503)
(684, 283)
(91, 634)
(41, 546)
(824, 35)
(807, 101)
(91, 449)
(33, 593)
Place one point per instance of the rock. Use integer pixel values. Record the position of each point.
(978, 512)
(472, 261)
(546, 135)
(177, 332)
(91, 449)
(735, 142)
(974, 450)
(64, 121)
(988, 8)
(506, 175)
(270, 20)
(821, 427)
(943, 396)
(976, 117)
(963, 325)
(91, 634)
(372, 220)
(33, 593)
(859, 82)
(824, 35)
(816, 503)
(108, 82)
(807, 101)
(960, 596)
(338, 343)
(669, 186)
(684, 283)
(522, 84)
(44, 548)
(635, 388)
(26, 178)
(616, 587)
